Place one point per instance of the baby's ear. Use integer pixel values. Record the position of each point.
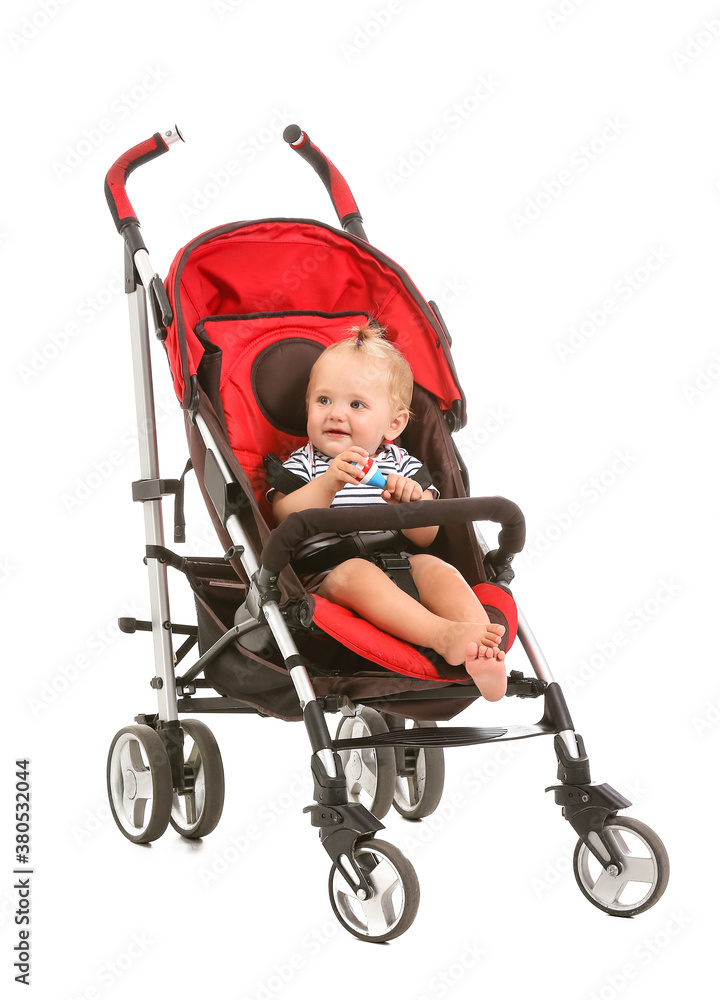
(397, 425)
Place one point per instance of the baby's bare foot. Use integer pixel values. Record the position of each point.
(485, 666)
(452, 642)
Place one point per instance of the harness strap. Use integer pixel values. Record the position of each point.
(278, 477)
(381, 547)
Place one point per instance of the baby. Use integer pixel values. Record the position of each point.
(358, 402)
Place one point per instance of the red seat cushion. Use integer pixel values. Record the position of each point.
(394, 654)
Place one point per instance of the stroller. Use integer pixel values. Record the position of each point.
(243, 314)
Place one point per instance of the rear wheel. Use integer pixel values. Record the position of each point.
(394, 896)
(369, 771)
(139, 783)
(197, 813)
(420, 778)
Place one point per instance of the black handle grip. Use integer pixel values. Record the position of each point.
(300, 525)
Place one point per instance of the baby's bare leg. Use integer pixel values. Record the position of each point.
(445, 592)
(363, 587)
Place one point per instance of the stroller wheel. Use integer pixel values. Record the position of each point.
(370, 772)
(645, 872)
(393, 903)
(139, 783)
(198, 812)
(420, 778)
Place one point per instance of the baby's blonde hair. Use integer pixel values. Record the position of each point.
(368, 341)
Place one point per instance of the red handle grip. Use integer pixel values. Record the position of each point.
(116, 178)
(337, 186)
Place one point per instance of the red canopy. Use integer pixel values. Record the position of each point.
(277, 265)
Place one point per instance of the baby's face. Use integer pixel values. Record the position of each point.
(349, 404)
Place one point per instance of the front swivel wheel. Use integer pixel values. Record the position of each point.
(644, 874)
(394, 896)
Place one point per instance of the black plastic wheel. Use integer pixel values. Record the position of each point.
(139, 783)
(370, 772)
(198, 813)
(644, 876)
(420, 782)
(395, 893)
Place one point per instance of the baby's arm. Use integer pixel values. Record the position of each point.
(320, 492)
(399, 489)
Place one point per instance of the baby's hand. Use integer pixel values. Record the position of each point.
(344, 468)
(401, 490)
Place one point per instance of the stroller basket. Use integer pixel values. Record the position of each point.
(245, 311)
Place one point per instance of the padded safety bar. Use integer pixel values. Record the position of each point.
(337, 187)
(300, 525)
(118, 202)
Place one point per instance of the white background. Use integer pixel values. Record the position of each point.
(609, 450)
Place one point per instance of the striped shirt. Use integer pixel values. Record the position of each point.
(308, 463)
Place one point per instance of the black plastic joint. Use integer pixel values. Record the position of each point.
(556, 715)
(327, 791)
(572, 770)
(266, 592)
(153, 489)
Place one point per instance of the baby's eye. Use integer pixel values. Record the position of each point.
(357, 405)
(324, 400)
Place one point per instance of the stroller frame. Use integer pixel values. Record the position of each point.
(153, 780)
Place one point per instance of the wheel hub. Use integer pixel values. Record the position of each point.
(130, 789)
(353, 768)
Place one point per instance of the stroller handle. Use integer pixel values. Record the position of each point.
(118, 202)
(337, 187)
(299, 525)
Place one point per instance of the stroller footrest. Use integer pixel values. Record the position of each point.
(451, 736)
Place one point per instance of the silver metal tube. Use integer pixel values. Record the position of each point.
(273, 615)
(171, 135)
(532, 649)
(570, 741)
(144, 267)
(154, 535)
